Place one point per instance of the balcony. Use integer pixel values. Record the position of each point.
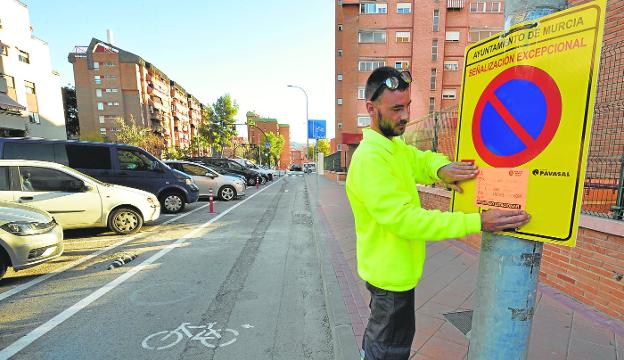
(454, 4)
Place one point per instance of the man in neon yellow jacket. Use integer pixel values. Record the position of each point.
(391, 226)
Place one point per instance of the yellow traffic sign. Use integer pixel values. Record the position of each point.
(527, 103)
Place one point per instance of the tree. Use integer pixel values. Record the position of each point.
(218, 123)
(276, 145)
(70, 105)
(131, 134)
(92, 136)
(323, 146)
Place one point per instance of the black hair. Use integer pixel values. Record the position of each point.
(377, 79)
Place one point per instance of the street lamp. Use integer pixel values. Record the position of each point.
(307, 120)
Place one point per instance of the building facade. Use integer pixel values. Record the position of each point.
(427, 38)
(30, 91)
(113, 84)
(258, 126)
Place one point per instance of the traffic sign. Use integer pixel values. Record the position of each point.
(527, 102)
(317, 129)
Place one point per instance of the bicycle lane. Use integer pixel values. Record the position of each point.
(103, 322)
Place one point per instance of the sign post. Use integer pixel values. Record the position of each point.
(525, 110)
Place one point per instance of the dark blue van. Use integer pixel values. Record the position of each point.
(112, 163)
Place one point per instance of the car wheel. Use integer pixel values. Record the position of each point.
(4, 263)
(125, 220)
(227, 193)
(251, 181)
(172, 202)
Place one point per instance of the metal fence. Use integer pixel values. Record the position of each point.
(603, 191)
(332, 162)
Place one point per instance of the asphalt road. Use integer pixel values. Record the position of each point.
(244, 283)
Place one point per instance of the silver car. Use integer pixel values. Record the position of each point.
(225, 187)
(28, 237)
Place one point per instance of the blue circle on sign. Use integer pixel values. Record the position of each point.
(526, 103)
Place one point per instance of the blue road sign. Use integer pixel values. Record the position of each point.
(267, 145)
(317, 129)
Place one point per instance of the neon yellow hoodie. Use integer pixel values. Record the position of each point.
(391, 226)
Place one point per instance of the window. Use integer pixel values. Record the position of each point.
(88, 157)
(338, 147)
(361, 93)
(370, 65)
(339, 52)
(33, 117)
(194, 170)
(96, 65)
(36, 179)
(102, 119)
(23, 57)
(401, 65)
(110, 77)
(339, 77)
(97, 79)
(449, 94)
(434, 50)
(477, 7)
(451, 65)
(477, 35)
(4, 50)
(134, 160)
(112, 103)
(34, 151)
(436, 20)
(339, 101)
(5, 182)
(100, 106)
(339, 125)
(404, 8)
(113, 90)
(98, 92)
(30, 87)
(363, 120)
(434, 75)
(495, 7)
(402, 36)
(452, 36)
(372, 36)
(486, 6)
(340, 27)
(103, 131)
(431, 104)
(10, 80)
(373, 8)
(109, 64)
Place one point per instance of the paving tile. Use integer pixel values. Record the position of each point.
(426, 327)
(449, 332)
(584, 329)
(434, 309)
(584, 350)
(548, 341)
(441, 349)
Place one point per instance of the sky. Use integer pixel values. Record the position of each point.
(251, 50)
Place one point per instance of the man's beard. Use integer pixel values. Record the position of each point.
(388, 128)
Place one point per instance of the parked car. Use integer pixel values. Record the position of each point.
(268, 175)
(28, 237)
(76, 200)
(225, 187)
(309, 168)
(231, 166)
(111, 163)
(295, 170)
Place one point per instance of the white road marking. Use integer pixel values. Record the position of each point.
(41, 278)
(29, 338)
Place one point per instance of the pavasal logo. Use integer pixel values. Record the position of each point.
(544, 172)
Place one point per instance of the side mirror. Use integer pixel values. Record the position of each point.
(211, 175)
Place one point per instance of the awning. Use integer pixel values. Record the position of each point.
(351, 138)
(8, 104)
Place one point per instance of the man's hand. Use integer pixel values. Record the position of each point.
(456, 172)
(498, 220)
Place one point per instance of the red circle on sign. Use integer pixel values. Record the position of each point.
(552, 96)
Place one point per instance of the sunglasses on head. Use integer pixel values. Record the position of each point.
(392, 83)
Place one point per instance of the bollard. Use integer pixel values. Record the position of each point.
(211, 202)
(257, 182)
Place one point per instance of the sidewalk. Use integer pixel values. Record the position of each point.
(562, 327)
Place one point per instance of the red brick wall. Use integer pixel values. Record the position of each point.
(591, 272)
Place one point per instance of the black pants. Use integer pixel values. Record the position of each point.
(391, 325)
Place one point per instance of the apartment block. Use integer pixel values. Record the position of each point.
(112, 84)
(30, 91)
(427, 38)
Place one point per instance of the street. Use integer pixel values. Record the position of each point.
(244, 283)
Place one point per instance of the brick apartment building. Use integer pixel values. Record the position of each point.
(263, 126)
(112, 83)
(427, 38)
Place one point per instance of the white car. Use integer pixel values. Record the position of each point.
(28, 237)
(226, 187)
(74, 199)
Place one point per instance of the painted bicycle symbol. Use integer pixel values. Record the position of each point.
(208, 336)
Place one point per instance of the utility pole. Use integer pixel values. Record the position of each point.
(508, 267)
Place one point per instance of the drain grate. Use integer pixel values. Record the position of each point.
(462, 320)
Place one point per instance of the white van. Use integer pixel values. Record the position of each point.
(74, 199)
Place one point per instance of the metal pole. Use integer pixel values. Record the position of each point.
(307, 119)
(508, 266)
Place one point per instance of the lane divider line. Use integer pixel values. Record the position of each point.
(29, 338)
